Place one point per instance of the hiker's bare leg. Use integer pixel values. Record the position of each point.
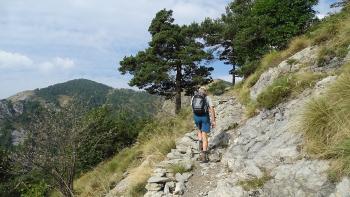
(199, 134)
(205, 141)
(200, 142)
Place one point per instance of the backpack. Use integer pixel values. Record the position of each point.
(199, 104)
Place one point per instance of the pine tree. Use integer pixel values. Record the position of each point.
(173, 61)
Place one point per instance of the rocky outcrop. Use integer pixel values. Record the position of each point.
(305, 57)
(270, 144)
(5, 109)
(305, 60)
(18, 136)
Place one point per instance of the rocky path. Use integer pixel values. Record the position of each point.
(202, 176)
(204, 179)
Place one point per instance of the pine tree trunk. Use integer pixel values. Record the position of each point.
(178, 90)
(233, 76)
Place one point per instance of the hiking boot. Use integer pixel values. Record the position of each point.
(206, 156)
(202, 157)
(200, 145)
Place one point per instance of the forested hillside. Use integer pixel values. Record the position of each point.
(91, 119)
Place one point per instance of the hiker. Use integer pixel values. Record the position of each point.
(203, 108)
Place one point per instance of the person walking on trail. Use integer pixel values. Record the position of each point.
(204, 118)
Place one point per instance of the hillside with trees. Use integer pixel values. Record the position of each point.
(63, 130)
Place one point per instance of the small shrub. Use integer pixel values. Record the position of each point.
(292, 61)
(251, 109)
(324, 56)
(252, 79)
(138, 189)
(38, 189)
(271, 59)
(295, 46)
(274, 94)
(218, 88)
(316, 118)
(256, 183)
(303, 80)
(233, 126)
(325, 33)
(177, 168)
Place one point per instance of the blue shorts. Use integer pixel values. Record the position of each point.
(202, 122)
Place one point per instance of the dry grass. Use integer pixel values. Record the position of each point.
(333, 34)
(326, 124)
(99, 181)
(177, 168)
(242, 92)
(255, 183)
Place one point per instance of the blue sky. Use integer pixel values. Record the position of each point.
(45, 42)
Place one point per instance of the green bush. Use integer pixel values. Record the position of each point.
(284, 87)
(218, 88)
(277, 92)
(35, 190)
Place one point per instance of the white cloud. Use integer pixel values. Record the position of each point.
(10, 60)
(18, 62)
(56, 63)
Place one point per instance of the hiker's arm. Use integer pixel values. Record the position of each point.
(212, 116)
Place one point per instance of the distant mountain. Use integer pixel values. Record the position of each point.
(16, 111)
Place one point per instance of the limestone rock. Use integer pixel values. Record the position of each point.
(18, 136)
(225, 189)
(214, 156)
(186, 142)
(183, 177)
(155, 179)
(304, 178)
(160, 172)
(154, 194)
(342, 189)
(5, 110)
(154, 186)
(180, 188)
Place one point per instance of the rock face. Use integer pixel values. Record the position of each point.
(5, 109)
(269, 144)
(306, 56)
